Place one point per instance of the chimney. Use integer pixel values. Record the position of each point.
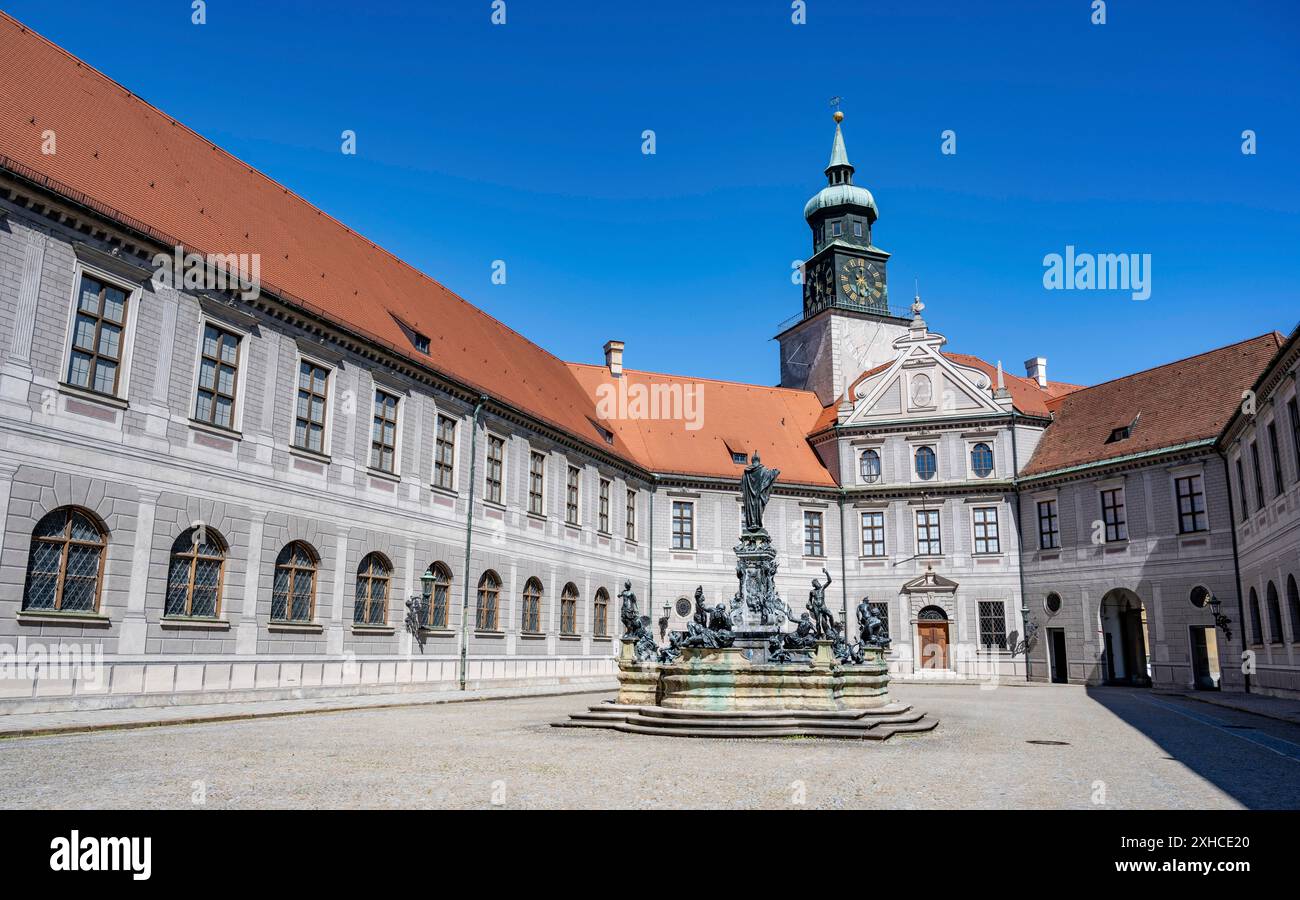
(1036, 369)
(614, 358)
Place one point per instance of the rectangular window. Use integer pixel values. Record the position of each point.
(1292, 409)
(873, 534)
(631, 515)
(929, 541)
(683, 525)
(985, 519)
(571, 497)
(496, 452)
(214, 399)
(536, 482)
(857, 229)
(1277, 459)
(98, 337)
(1241, 486)
(835, 229)
(1191, 504)
(568, 614)
(313, 403)
(1112, 514)
(812, 534)
(444, 454)
(603, 509)
(1049, 529)
(1259, 476)
(993, 624)
(383, 434)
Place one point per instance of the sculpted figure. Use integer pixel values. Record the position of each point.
(823, 621)
(756, 490)
(871, 629)
(630, 612)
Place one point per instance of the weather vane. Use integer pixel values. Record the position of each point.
(836, 101)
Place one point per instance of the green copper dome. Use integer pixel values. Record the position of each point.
(834, 195)
(840, 189)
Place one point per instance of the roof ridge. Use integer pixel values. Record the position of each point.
(259, 173)
(765, 387)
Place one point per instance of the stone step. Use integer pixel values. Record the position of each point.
(867, 734)
(852, 715)
(776, 721)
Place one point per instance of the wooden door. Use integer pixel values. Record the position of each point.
(934, 644)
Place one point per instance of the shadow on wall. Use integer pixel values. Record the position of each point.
(1253, 775)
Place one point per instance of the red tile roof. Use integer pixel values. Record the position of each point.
(1174, 404)
(743, 418)
(126, 154)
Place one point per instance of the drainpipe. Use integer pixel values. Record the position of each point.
(1020, 537)
(844, 571)
(1236, 564)
(469, 540)
(650, 587)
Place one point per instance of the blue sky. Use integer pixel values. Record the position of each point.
(522, 142)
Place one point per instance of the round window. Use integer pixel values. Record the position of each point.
(1200, 597)
(1053, 603)
(683, 606)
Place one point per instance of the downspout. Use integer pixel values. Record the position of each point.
(650, 586)
(844, 571)
(469, 540)
(1236, 563)
(1020, 534)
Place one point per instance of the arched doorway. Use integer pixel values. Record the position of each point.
(932, 630)
(1124, 637)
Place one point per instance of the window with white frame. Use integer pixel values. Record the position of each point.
(214, 396)
(536, 482)
(571, 496)
(1112, 514)
(812, 534)
(631, 515)
(981, 460)
(926, 463)
(984, 520)
(683, 525)
(444, 453)
(929, 539)
(873, 533)
(494, 477)
(97, 351)
(869, 466)
(1191, 504)
(312, 409)
(602, 509)
(993, 624)
(1049, 528)
(383, 433)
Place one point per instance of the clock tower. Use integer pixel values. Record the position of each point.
(846, 326)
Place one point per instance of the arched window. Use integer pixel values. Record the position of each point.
(869, 465)
(532, 612)
(1274, 615)
(293, 593)
(569, 609)
(932, 614)
(195, 576)
(489, 596)
(66, 566)
(600, 613)
(1256, 626)
(372, 590)
(925, 463)
(1293, 604)
(437, 594)
(981, 460)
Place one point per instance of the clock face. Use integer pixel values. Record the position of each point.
(861, 281)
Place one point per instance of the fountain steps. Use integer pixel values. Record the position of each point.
(875, 724)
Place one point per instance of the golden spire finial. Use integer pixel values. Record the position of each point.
(838, 116)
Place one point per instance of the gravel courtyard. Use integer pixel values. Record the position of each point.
(1122, 749)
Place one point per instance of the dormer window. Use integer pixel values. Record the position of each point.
(740, 459)
(835, 229)
(421, 343)
(857, 229)
(1123, 433)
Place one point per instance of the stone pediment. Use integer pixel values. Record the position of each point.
(930, 583)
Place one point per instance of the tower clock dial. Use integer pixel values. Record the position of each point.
(861, 281)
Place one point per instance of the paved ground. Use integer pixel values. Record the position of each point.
(1125, 748)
